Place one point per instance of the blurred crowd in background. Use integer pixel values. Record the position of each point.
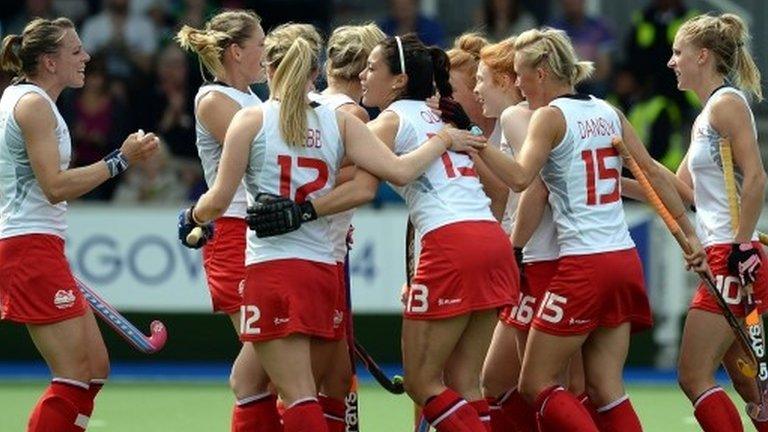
(139, 78)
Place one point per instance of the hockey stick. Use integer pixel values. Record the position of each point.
(123, 327)
(394, 385)
(748, 365)
(753, 321)
(352, 415)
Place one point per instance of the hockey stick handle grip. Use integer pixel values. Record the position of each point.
(194, 236)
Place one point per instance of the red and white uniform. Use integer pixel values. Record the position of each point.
(292, 280)
(340, 222)
(36, 283)
(451, 212)
(539, 257)
(713, 219)
(224, 255)
(582, 175)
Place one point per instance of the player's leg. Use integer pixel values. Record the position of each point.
(288, 362)
(334, 386)
(255, 408)
(745, 386)
(604, 353)
(98, 358)
(576, 384)
(465, 365)
(64, 346)
(546, 358)
(427, 346)
(706, 339)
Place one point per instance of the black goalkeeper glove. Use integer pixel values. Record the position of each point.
(273, 215)
(452, 112)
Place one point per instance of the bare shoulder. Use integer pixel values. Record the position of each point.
(33, 109)
(516, 114)
(355, 110)
(214, 101)
(728, 111)
(250, 118)
(385, 121)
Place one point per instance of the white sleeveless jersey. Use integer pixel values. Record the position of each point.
(510, 209)
(24, 208)
(340, 222)
(449, 191)
(713, 219)
(583, 177)
(301, 172)
(210, 150)
(542, 246)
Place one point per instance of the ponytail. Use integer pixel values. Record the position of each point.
(207, 44)
(9, 57)
(289, 86)
(441, 67)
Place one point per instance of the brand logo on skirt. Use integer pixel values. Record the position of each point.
(446, 302)
(64, 299)
(338, 317)
(279, 321)
(241, 287)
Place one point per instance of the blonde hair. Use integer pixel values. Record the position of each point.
(224, 29)
(727, 37)
(20, 54)
(500, 58)
(553, 49)
(465, 55)
(294, 50)
(348, 49)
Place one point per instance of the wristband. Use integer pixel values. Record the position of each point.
(116, 163)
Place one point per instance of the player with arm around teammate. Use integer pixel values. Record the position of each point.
(709, 52)
(230, 47)
(289, 148)
(36, 284)
(569, 142)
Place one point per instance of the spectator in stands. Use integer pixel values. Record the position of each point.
(156, 181)
(594, 41)
(169, 104)
(31, 9)
(404, 17)
(504, 18)
(128, 40)
(98, 120)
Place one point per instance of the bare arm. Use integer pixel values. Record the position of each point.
(34, 115)
(730, 117)
(370, 149)
(546, 128)
(530, 209)
(215, 111)
(234, 160)
(496, 190)
(631, 188)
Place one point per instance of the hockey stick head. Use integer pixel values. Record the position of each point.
(159, 335)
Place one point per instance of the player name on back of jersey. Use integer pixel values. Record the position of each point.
(596, 126)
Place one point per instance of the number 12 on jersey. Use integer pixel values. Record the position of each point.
(286, 172)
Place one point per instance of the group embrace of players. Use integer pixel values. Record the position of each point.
(528, 285)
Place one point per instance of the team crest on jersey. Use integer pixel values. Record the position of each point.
(64, 299)
(338, 318)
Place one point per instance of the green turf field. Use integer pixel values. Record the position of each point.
(171, 407)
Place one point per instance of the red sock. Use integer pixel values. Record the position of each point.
(449, 412)
(760, 426)
(559, 410)
(591, 408)
(515, 414)
(716, 413)
(619, 416)
(304, 416)
(334, 411)
(94, 387)
(256, 414)
(60, 407)
(484, 412)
